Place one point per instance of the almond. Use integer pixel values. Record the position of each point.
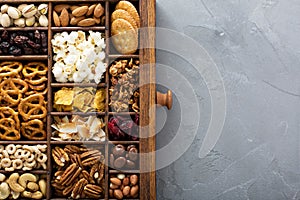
(87, 22)
(64, 17)
(60, 7)
(56, 19)
(74, 20)
(99, 10)
(78, 12)
(91, 10)
(73, 8)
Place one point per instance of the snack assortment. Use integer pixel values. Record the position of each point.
(23, 157)
(86, 99)
(124, 94)
(78, 58)
(78, 128)
(124, 186)
(125, 22)
(22, 101)
(24, 15)
(23, 43)
(70, 111)
(79, 172)
(78, 15)
(27, 185)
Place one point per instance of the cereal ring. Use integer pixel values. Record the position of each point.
(18, 146)
(30, 164)
(42, 158)
(30, 158)
(1, 148)
(17, 164)
(19, 153)
(42, 148)
(26, 168)
(11, 149)
(26, 154)
(9, 169)
(28, 148)
(5, 154)
(5, 162)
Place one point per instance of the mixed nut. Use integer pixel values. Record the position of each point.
(78, 15)
(122, 157)
(124, 94)
(25, 185)
(79, 172)
(23, 157)
(23, 43)
(24, 15)
(124, 186)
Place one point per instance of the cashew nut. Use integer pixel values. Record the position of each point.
(4, 190)
(32, 186)
(2, 177)
(25, 178)
(13, 184)
(32, 195)
(42, 184)
(14, 194)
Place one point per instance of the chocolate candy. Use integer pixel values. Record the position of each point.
(121, 158)
(120, 162)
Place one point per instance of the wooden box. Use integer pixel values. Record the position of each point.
(145, 169)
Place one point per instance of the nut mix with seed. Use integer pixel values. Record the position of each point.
(122, 157)
(124, 186)
(78, 128)
(79, 172)
(78, 15)
(25, 185)
(24, 15)
(124, 94)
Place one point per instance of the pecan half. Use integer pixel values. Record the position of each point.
(60, 156)
(90, 153)
(91, 161)
(87, 176)
(68, 173)
(78, 189)
(93, 191)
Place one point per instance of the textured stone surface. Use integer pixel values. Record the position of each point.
(256, 48)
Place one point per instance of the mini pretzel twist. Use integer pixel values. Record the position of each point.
(34, 68)
(33, 130)
(32, 107)
(8, 129)
(9, 69)
(11, 91)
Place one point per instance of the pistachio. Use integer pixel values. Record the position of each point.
(5, 20)
(30, 21)
(36, 24)
(4, 8)
(29, 11)
(19, 22)
(43, 20)
(13, 12)
(22, 6)
(43, 8)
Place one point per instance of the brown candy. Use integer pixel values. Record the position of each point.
(120, 162)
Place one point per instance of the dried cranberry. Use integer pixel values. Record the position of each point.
(4, 47)
(27, 51)
(20, 39)
(43, 39)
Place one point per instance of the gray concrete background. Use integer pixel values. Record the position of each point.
(256, 47)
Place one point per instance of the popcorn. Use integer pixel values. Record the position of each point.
(78, 58)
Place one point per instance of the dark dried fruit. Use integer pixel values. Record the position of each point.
(20, 39)
(13, 50)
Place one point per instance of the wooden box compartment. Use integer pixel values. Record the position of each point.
(144, 166)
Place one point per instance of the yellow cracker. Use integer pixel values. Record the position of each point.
(124, 36)
(129, 7)
(123, 14)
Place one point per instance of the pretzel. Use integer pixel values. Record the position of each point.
(36, 79)
(11, 91)
(34, 68)
(33, 130)
(8, 129)
(32, 107)
(9, 69)
(42, 92)
(6, 112)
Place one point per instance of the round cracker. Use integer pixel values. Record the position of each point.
(129, 7)
(123, 14)
(124, 37)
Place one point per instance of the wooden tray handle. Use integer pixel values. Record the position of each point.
(164, 99)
